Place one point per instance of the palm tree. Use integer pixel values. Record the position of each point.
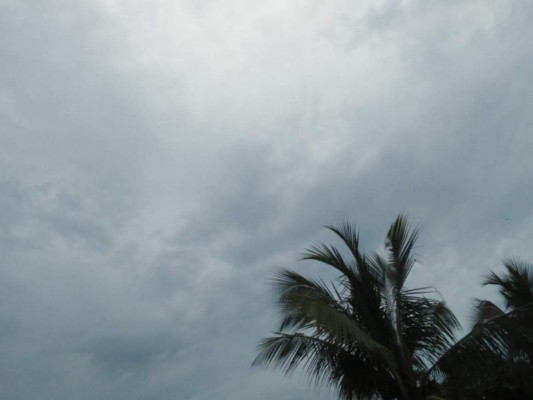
(497, 354)
(366, 333)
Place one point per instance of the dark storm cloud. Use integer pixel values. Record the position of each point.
(161, 160)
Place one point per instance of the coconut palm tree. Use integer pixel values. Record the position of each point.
(497, 355)
(366, 333)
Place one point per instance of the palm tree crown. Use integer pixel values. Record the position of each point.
(495, 359)
(366, 333)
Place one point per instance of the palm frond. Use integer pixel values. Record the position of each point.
(400, 241)
(516, 286)
(350, 237)
(488, 344)
(331, 256)
(324, 362)
(294, 291)
(428, 328)
(306, 304)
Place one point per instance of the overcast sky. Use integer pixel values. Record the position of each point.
(161, 159)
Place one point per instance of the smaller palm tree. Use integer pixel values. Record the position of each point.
(366, 333)
(497, 354)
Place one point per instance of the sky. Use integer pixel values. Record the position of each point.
(160, 160)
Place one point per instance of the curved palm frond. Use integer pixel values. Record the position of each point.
(428, 328)
(325, 363)
(516, 287)
(400, 241)
(350, 237)
(331, 256)
(308, 304)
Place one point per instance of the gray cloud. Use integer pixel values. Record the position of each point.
(160, 160)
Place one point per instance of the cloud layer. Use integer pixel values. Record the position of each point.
(161, 159)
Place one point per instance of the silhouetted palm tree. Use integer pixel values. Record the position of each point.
(366, 333)
(497, 355)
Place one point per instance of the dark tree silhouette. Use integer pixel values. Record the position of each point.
(366, 333)
(497, 354)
